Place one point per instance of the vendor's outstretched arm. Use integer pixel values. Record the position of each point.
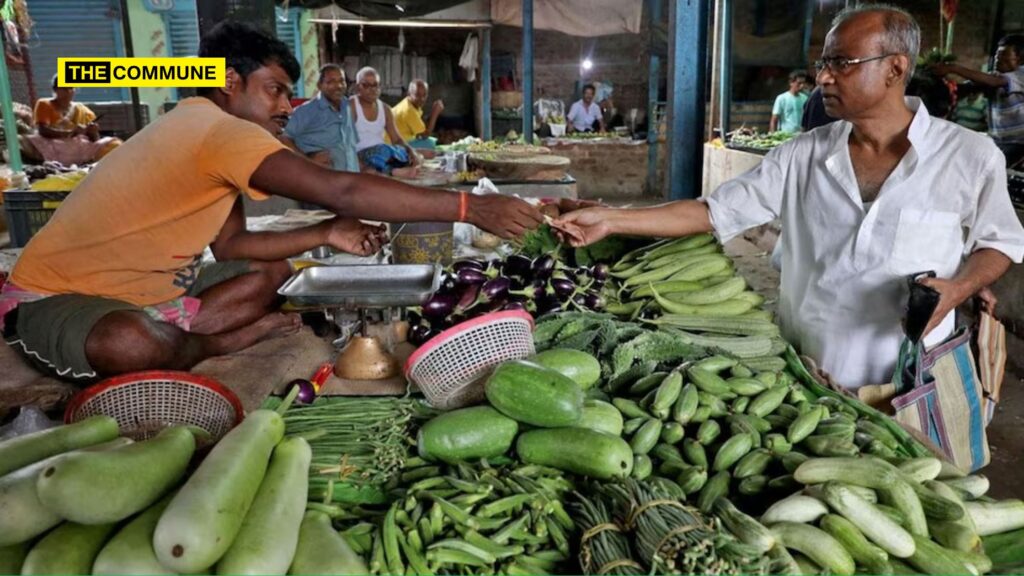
(385, 199)
(982, 269)
(680, 218)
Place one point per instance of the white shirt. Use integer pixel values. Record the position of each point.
(844, 264)
(583, 116)
(370, 133)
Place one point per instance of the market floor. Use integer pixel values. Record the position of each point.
(1005, 434)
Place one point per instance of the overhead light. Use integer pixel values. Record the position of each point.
(399, 8)
(587, 64)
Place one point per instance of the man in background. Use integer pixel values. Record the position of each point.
(408, 113)
(789, 106)
(323, 128)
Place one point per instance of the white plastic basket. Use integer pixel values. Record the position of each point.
(450, 368)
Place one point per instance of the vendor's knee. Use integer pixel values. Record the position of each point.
(274, 273)
(128, 341)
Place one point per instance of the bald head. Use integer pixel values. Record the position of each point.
(418, 91)
(895, 30)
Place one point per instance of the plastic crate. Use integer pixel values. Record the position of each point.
(28, 211)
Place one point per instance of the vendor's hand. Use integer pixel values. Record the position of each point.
(504, 216)
(584, 227)
(355, 237)
(437, 108)
(940, 69)
(951, 294)
(92, 130)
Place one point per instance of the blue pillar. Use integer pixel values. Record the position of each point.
(808, 28)
(528, 70)
(725, 68)
(688, 51)
(654, 65)
(485, 84)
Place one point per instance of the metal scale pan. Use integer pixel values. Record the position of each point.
(362, 286)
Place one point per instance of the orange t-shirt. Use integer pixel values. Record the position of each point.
(47, 115)
(135, 228)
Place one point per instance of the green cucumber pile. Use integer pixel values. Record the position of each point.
(78, 499)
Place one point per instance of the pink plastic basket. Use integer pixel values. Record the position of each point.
(451, 367)
(143, 403)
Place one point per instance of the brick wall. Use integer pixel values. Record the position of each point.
(607, 170)
(620, 59)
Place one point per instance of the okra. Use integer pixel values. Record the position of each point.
(504, 505)
(443, 556)
(390, 533)
(516, 526)
(457, 515)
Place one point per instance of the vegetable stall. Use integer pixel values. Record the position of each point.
(663, 425)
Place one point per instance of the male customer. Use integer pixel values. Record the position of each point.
(322, 128)
(1006, 118)
(885, 192)
(373, 120)
(789, 106)
(114, 283)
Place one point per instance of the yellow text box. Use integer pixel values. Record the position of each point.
(140, 72)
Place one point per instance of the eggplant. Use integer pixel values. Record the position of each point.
(460, 265)
(599, 273)
(593, 300)
(543, 267)
(515, 305)
(563, 287)
(418, 334)
(470, 276)
(517, 265)
(547, 304)
(447, 284)
(307, 392)
(439, 306)
(468, 297)
(496, 288)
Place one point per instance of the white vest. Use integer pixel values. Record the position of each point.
(370, 133)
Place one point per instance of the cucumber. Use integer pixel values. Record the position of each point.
(817, 545)
(642, 466)
(21, 451)
(753, 485)
(577, 450)
(111, 485)
(864, 553)
(686, 405)
(12, 557)
(731, 451)
(708, 431)
(466, 434)
(22, 515)
(269, 534)
(130, 551)
(695, 453)
(321, 550)
(69, 549)
(749, 531)
(752, 464)
(796, 508)
(717, 487)
(646, 437)
(692, 479)
(205, 515)
(600, 416)
(921, 469)
(930, 558)
(581, 367)
(672, 433)
(647, 383)
(535, 395)
(878, 527)
(960, 534)
(708, 381)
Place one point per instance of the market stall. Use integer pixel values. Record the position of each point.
(625, 408)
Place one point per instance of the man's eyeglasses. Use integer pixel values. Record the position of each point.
(368, 85)
(840, 65)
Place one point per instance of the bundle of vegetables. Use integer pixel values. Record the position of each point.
(867, 515)
(359, 445)
(670, 537)
(757, 141)
(490, 520)
(471, 288)
(118, 507)
(604, 548)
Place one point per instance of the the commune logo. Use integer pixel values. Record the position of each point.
(140, 72)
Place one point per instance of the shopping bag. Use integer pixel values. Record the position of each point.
(941, 396)
(991, 353)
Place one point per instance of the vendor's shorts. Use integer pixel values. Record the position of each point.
(51, 333)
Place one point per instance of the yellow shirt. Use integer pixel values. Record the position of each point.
(408, 120)
(135, 228)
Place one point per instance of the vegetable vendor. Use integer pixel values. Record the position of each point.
(885, 192)
(585, 115)
(408, 114)
(115, 282)
(323, 128)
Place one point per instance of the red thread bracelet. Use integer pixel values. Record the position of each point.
(463, 205)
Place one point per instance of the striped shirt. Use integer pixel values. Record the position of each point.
(971, 112)
(1007, 110)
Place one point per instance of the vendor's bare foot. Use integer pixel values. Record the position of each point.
(276, 325)
(406, 172)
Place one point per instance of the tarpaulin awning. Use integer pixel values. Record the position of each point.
(574, 17)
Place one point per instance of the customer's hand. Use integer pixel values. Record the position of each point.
(586, 226)
(355, 237)
(504, 216)
(951, 294)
